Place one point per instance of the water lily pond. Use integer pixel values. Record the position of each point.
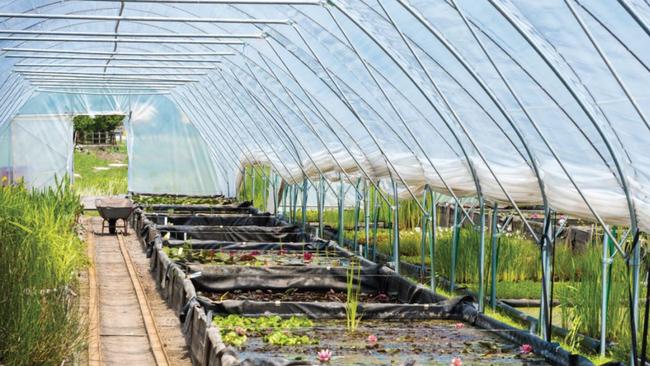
(255, 258)
(380, 342)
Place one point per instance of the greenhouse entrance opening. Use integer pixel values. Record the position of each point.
(100, 155)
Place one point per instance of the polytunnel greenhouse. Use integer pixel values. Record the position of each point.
(312, 182)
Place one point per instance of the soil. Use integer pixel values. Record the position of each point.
(434, 342)
(300, 296)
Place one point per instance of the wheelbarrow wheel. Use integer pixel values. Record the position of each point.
(112, 226)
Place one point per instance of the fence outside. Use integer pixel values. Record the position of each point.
(99, 138)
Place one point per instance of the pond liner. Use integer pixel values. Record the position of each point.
(232, 209)
(289, 233)
(215, 220)
(446, 309)
(208, 349)
(415, 271)
(551, 351)
(314, 245)
(373, 279)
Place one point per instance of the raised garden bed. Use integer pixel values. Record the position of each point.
(205, 219)
(275, 341)
(190, 209)
(298, 295)
(232, 257)
(289, 233)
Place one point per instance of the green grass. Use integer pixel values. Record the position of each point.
(40, 256)
(91, 182)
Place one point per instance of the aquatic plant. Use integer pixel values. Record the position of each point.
(286, 338)
(324, 355)
(274, 330)
(353, 285)
(525, 349)
(371, 341)
(459, 326)
(456, 361)
(41, 256)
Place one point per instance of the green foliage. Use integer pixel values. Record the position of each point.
(236, 329)
(255, 184)
(353, 286)
(581, 302)
(179, 200)
(92, 182)
(40, 256)
(284, 338)
(101, 123)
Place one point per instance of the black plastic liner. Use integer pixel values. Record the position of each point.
(314, 245)
(222, 209)
(289, 233)
(215, 220)
(208, 349)
(447, 309)
(321, 279)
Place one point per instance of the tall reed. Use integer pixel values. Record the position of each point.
(40, 256)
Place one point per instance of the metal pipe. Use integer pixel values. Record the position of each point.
(120, 40)
(228, 2)
(494, 249)
(241, 105)
(52, 77)
(52, 57)
(83, 92)
(117, 66)
(347, 103)
(134, 35)
(120, 53)
(609, 65)
(60, 87)
(341, 228)
(483, 85)
(481, 259)
(357, 209)
(143, 19)
(310, 124)
(433, 236)
(71, 73)
(395, 209)
(454, 250)
(592, 119)
(395, 110)
(606, 261)
(305, 187)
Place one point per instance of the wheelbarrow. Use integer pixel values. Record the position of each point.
(112, 210)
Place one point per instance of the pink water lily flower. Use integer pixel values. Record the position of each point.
(240, 331)
(525, 348)
(372, 340)
(307, 256)
(456, 361)
(459, 325)
(324, 355)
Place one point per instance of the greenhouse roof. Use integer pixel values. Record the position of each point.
(515, 101)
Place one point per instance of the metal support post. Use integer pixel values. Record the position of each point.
(494, 259)
(454, 249)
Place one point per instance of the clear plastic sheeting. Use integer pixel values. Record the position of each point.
(39, 149)
(166, 153)
(519, 102)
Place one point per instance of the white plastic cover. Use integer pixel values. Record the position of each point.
(522, 102)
